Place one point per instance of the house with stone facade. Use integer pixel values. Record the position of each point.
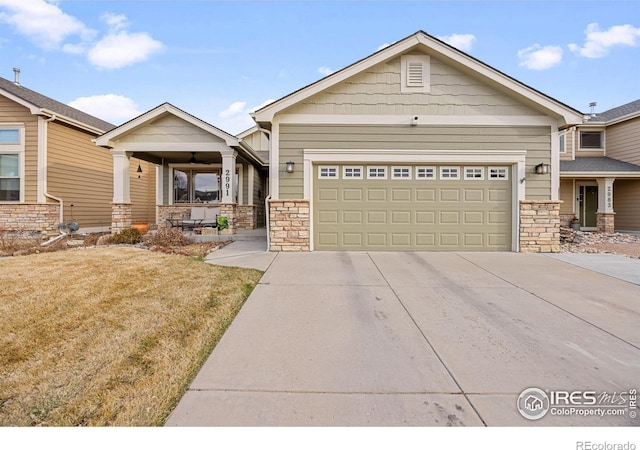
(51, 173)
(418, 146)
(600, 171)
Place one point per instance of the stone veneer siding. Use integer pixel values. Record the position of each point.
(121, 217)
(606, 222)
(246, 217)
(539, 226)
(42, 218)
(289, 225)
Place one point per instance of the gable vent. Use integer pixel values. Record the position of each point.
(415, 74)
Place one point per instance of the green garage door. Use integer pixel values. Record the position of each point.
(412, 207)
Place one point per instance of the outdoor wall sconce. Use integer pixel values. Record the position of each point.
(542, 169)
(290, 166)
(139, 170)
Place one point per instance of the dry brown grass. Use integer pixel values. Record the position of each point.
(108, 336)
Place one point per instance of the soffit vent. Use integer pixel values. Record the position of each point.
(415, 74)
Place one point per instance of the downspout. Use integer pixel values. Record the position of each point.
(46, 194)
(268, 197)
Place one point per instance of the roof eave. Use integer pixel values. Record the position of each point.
(600, 174)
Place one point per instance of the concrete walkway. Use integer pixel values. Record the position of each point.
(617, 266)
(358, 339)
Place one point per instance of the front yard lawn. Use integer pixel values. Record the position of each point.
(108, 336)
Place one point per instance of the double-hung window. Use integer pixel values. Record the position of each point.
(11, 153)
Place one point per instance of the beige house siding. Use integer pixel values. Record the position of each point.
(257, 141)
(82, 174)
(623, 141)
(259, 193)
(169, 129)
(566, 196)
(12, 112)
(626, 204)
(294, 138)
(377, 91)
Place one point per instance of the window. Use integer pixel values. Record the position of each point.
(474, 173)
(449, 173)
(425, 173)
(351, 172)
(562, 144)
(9, 136)
(591, 139)
(401, 173)
(379, 172)
(327, 172)
(415, 74)
(10, 177)
(198, 186)
(498, 173)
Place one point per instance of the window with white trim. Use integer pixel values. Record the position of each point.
(425, 173)
(351, 172)
(377, 172)
(498, 173)
(401, 173)
(11, 149)
(474, 173)
(562, 144)
(591, 140)
(328, 172)
(449, 173)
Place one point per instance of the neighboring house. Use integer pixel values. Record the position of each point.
(50, 170)
(197, 165)
(416, 147)
(600, 171)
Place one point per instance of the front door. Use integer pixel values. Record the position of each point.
(588, 206)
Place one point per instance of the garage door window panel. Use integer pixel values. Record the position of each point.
(352, 172)
(474, 173)
(328, 172)
(376, 172)
(425, 173)
(498, 173)
(401, 173)
(449, 173)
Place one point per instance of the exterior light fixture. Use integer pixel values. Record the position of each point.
(542, 169)
(290, 166)
(139, 170)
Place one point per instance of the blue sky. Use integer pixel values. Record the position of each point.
(219, 59)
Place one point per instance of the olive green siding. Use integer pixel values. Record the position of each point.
(12, 112)
(377, 91)
(295, 138)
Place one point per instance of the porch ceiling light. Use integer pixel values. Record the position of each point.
(542, 169)
(290, 166)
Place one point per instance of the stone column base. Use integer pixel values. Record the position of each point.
(246, 217)
(289, 225)
(606, 222)
(121, 217)
(228, 210)
(539, 226)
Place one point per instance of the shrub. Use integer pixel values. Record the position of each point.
(167, 237)
(223, 223)
(127, 236)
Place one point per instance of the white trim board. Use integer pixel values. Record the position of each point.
(407, 120)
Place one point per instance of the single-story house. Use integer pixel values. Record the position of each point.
(600, 171)
(416, 147)
(51, 173)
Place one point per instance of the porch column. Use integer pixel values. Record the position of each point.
(606, 214)
(121, 217)
(228, 176)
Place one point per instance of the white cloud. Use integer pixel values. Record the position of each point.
(537, 57)
(598, 42)
(115, 21)
(43, 22)
(462, 42)
(110, 107)
(385, 45)
(236, 117)
(325, 71)
(115, 51)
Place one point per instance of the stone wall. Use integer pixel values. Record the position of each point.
(246, 217)
(565, 220)
(606, 222)
(121, 217)
(539, 226)
(289, 225)
(41, 218)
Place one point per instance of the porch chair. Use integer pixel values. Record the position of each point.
(201, 217)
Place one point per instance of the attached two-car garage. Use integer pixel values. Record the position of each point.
(443, 207)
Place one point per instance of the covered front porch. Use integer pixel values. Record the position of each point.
(594, 192)
(198, 167)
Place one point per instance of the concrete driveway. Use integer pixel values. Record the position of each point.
(393, 339)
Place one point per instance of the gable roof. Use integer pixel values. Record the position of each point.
(444, 51)
(42, 105)
(623, 112)
(598, 164)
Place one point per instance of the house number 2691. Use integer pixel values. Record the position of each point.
(227, 182)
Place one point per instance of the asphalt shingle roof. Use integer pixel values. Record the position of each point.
(597, 164)
(42, 101)
(618, 111)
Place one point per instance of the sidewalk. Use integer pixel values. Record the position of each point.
(616, 266)
(248, 250)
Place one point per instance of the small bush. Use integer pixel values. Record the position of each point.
(223, 223)
(167, 237)
(127, 236)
